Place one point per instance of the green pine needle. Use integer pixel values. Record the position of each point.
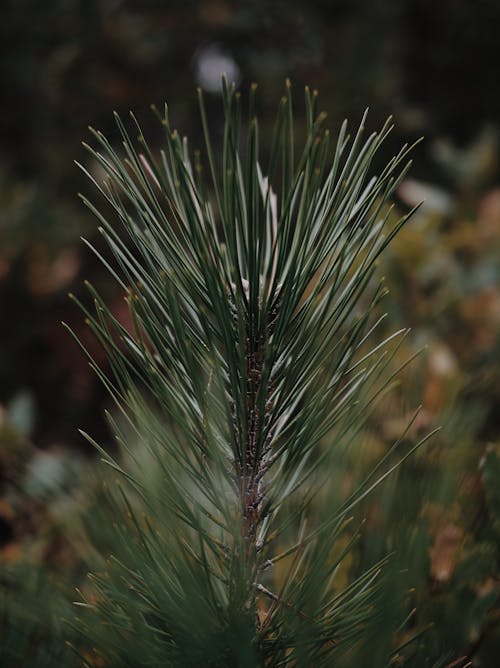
(252, 355)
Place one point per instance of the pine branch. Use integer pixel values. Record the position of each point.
(249, 359)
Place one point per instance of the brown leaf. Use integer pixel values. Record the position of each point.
(443, 553)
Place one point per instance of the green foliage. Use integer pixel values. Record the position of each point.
(32, 636)
(247, 365)
(78, 60)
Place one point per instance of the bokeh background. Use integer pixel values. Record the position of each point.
(434, 66)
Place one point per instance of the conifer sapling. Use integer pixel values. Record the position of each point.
(249, 273)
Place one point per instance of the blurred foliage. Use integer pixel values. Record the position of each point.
(66, 63)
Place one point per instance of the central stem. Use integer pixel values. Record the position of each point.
(254, 465)
(255, 444)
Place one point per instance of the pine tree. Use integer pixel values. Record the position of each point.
(253, 355)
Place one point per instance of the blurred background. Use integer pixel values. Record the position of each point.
(434, 66)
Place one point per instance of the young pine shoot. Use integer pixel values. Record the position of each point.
(250, 357)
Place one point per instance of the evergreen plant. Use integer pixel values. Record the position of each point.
(252, 353)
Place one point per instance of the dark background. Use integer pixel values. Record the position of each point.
(434, 66)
